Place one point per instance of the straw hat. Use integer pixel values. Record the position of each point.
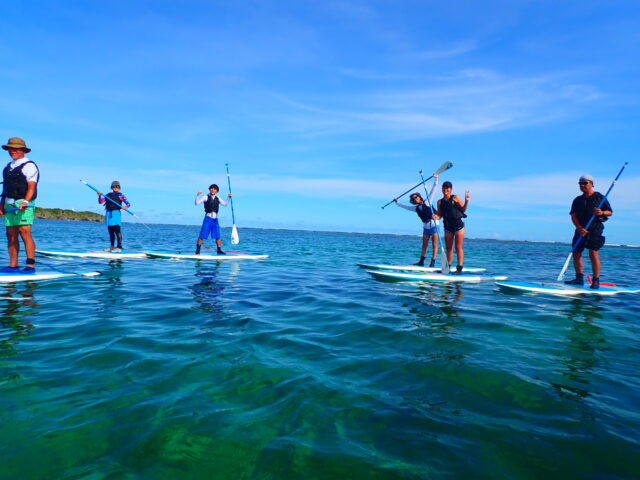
(16, 142)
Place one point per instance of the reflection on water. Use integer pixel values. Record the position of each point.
(114, 295)
(208, 291)
(583, 342)
(17, 304)
(435, 304)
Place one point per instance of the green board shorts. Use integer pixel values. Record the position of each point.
(19, 217)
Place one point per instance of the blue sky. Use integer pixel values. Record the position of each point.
(326, 110)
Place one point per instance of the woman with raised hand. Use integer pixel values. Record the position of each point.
(451, 210)
(429, 229)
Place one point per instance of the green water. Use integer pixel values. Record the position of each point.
(302, 366)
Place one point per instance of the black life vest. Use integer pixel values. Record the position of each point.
(15, 182)
(451, 210)
(424, 212)
(212, 204)
(115, 197)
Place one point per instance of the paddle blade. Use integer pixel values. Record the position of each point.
(235, 238)
(443, 167)
(564, 268)
(444, 264)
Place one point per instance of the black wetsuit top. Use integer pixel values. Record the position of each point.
(584, 206)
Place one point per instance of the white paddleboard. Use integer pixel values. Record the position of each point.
(414, 268)
(32, 277)
(206, 256)
(563, 289)
(435, 277)
(92, 254)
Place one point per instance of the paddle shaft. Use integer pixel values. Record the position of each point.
(116, 203)
(443, 252)
(443, 167)
(112, 201)
(575, 245)
(16, 208)
(233, 216)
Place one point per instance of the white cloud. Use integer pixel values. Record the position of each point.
(473, 100)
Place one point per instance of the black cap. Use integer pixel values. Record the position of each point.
(447, 184)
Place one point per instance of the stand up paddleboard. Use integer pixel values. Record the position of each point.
(562, 289)
(92, 254)
(206, 256)
(32, 277)
(435, 277)
(414, 268)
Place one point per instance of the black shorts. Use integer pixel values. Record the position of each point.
(453, 227)
(593, 241)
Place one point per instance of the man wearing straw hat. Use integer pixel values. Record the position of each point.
(20, 189)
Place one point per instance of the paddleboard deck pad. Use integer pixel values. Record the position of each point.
(32, 277)
(206, 256)
(92, 254)
(414, 268)
(563, 289)
(435, 277)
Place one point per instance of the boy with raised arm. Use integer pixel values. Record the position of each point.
(210, 225)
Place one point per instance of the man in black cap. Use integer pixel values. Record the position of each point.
(582, 208)
(20, 189)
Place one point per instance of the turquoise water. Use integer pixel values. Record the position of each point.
(301, 366)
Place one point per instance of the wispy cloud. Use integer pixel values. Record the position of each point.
(472, 101)
(445, 52)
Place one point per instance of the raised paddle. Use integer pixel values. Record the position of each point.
(235, 238)
(116, 203)
(443, 167)
(443, 257)
(575, 245)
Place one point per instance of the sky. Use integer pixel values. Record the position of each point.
(325, 111)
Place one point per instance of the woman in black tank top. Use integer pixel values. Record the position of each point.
(451, 210)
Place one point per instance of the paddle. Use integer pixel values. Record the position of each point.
(443, 257)
(443, 167)
(116, 203)
(566, 263)
(235, 239)
(16, 209)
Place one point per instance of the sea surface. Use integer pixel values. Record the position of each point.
(302, 366)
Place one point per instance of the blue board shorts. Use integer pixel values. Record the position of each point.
(429, 231)
(210, 226)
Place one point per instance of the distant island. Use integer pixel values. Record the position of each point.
(62, 214)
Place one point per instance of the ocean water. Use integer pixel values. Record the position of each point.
(302, 366)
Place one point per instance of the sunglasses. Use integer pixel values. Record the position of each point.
(583, 183)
